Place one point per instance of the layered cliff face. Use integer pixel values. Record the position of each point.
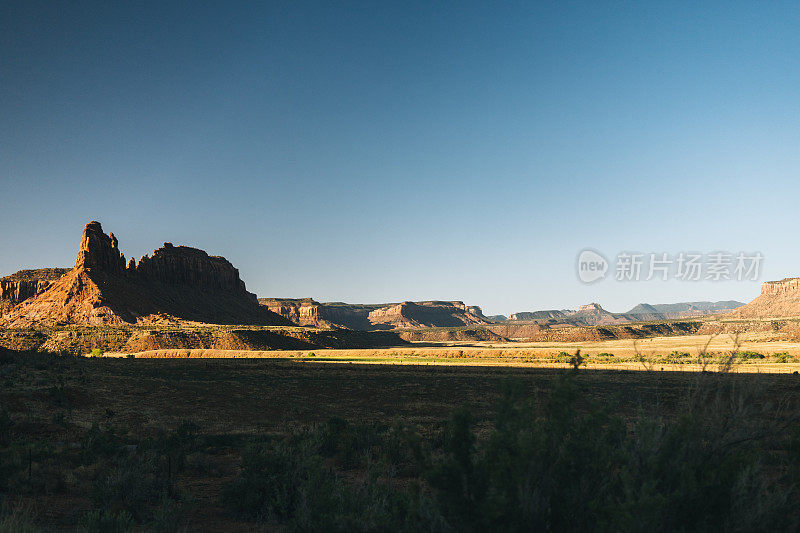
(304, 311)
(778, 299)
(537, 315)
(176, 283)
(428, 314)
(376, 316)
(98, 252)
(25, 284)
(182, 265)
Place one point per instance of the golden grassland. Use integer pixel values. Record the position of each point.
(674, 353)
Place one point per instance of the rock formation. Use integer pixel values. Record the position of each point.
(303, 311)
(593, 314)
(25, 284)
(176, 283)
(537, 315)
(427, 314)
(377, 316)
(99, 252)
(778, 299)
(682, 309)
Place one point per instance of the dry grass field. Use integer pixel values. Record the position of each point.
(674, 353)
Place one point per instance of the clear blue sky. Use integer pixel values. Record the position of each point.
(378, 151)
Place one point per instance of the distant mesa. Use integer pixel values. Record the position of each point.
(176, 283)
(538, 315)
(683, 309)
(593, 314)
(778, 299)
(367, 317)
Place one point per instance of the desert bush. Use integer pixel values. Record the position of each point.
(5, 426)
(349, 443)
(174, 446)
(677, 357)
(577, 360)
(16, 519)
(605, 354)
(100, 441)
(97, 352)
(130, 483)
(166, 516)
(288, 482)
(284, 484)
(749, 355)
(563, 357)
(577, 470)
(784, 357)
(107, 522)
(559, 463)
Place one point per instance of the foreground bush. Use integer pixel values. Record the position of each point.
(562, 464)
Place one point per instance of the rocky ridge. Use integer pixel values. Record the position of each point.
(778, 299)
(176, 283)
(25, 284)
(366, 317)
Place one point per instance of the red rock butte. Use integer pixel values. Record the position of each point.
(176, 283)
(778, 299)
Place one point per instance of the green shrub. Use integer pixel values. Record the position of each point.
(166, 516)
(107, 522)
(100, 442)
(558, 463)
(131, 483)
(97, 352)
(573, 469)
(5, 426)
(131, 356)
(749, 355)
(283, 484)
(784, 357)
(563, 357)
(605, 354)
(16, 519)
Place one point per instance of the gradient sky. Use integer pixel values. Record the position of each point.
(377, 151)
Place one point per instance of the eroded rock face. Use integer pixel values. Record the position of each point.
(25, 284)
(778, 299)
(784, 286)
(376, 316)
(178, 282)
(428, 314)
(302, 311)
(98, 251)
(189, 266)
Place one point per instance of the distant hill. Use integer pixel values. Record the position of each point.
(593, 314)
(683, 309)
